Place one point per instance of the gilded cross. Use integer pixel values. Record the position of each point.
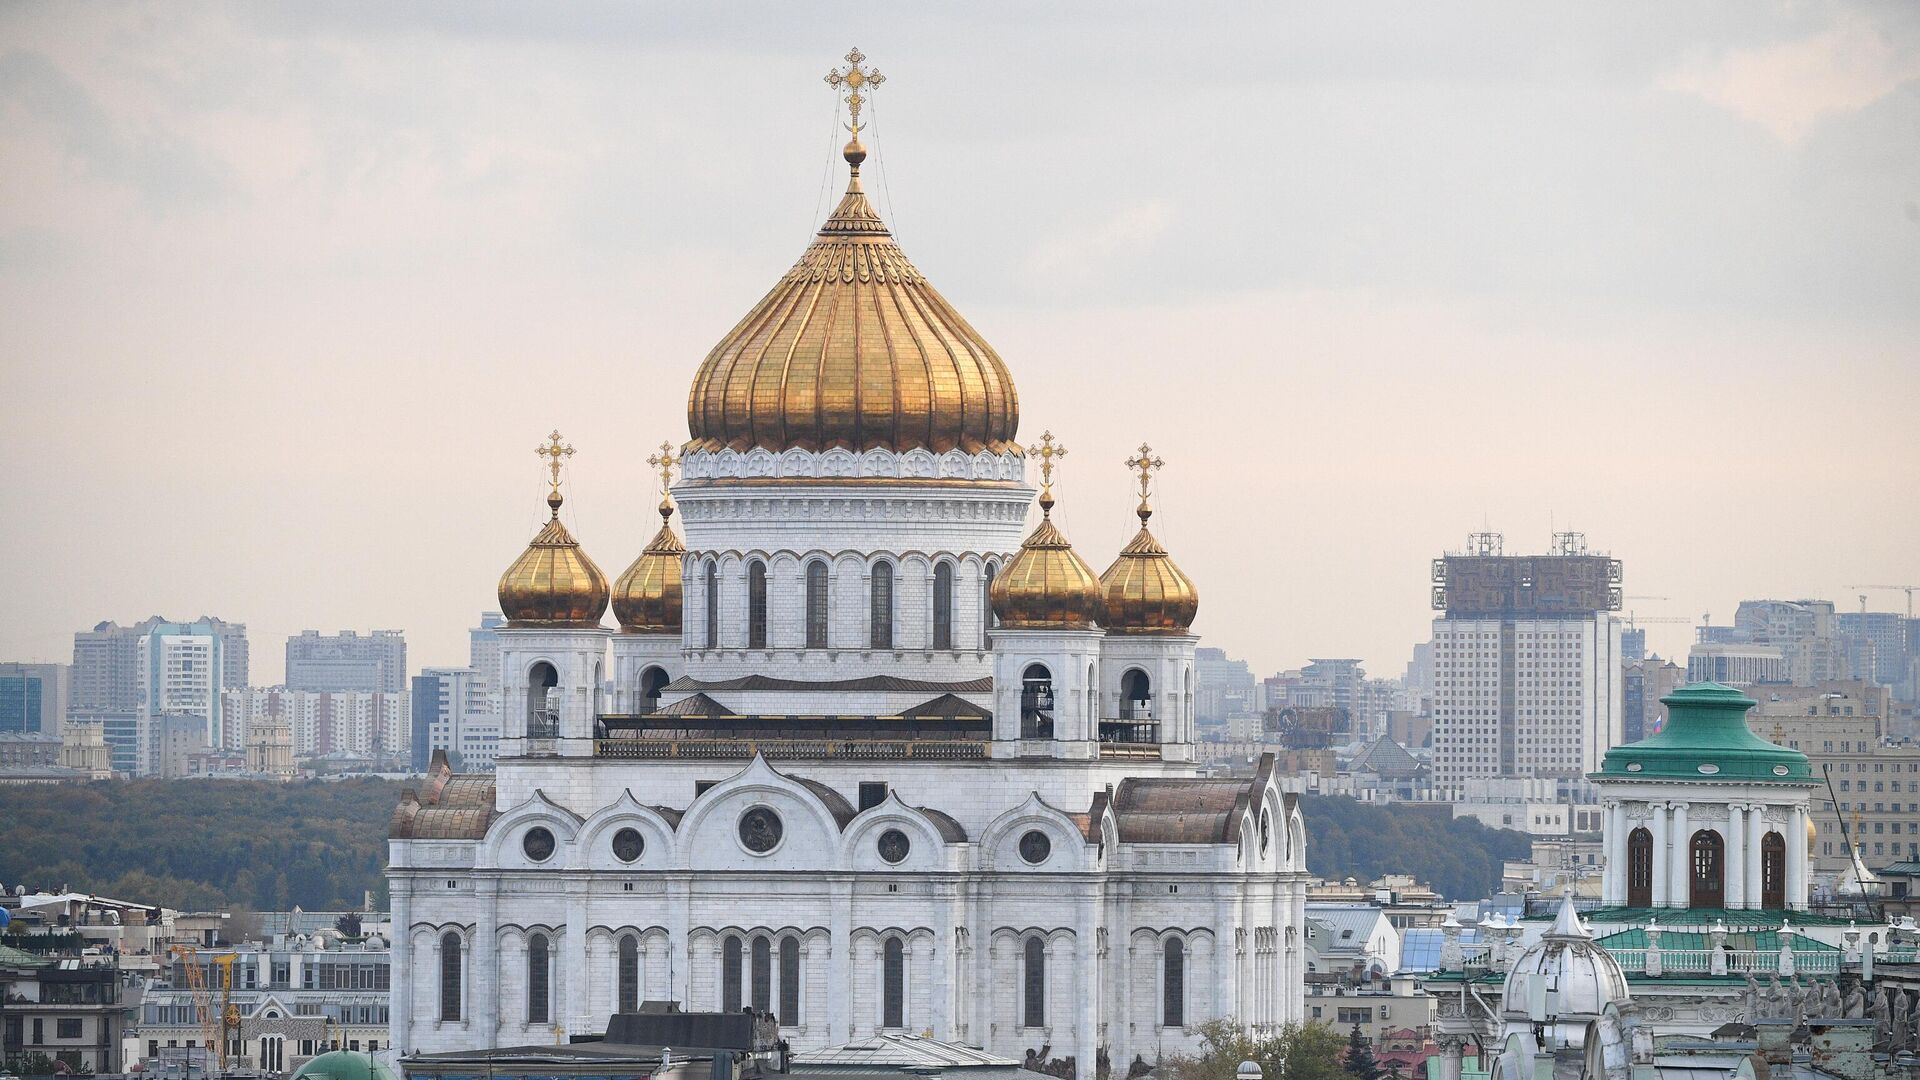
(854, 78)
(1046, 451)
(664, 461)
(555, 452)
(1145, 464)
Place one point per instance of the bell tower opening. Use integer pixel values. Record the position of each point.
(1036, 702)
(652, 681)
(543, 702)
(1136, 695)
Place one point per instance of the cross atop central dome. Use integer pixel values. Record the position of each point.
(853, 348)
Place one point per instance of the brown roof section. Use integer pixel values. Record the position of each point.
(449, 806)
(1153, 811)
(871, 682)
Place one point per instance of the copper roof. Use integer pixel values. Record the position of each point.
(1175, 811)
(451, 806)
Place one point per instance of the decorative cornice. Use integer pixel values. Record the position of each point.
(916, 464)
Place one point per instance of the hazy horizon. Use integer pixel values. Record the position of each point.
(294, 290)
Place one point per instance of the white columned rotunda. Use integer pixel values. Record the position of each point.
(872, 750)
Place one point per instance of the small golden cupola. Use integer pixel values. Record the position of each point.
(646, 599)
(1145, 592)
(553, 584)
(1047, 586)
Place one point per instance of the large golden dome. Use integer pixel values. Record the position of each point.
(553, 584)
(1145, 592)
(646, 599)
(853, 348)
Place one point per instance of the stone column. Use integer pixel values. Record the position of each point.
(1614, 848)
(400, 974)
(573, 970)
(1678, 838)
(1737, 855)
(679, 956)
(1661, 862)
(1797, 859)
(483, 982)
(940, 997)
(1452, 1056)
(840, 964)
(1756, 838)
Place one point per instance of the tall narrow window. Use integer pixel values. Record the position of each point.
(1173, 983)
(1036, 702)
(816, 605)
(1033, 982)
(628, 991)
(539, 979)
(1707, 887)
(762, 975)
(880, 617)
(987, 621)
(790, 981)
(1773, 871)
(450, 981)
(756, 605)
(543, 701)
(893, 978)
(943, 605)
(713, 605)
(730, 975)
(652, 681)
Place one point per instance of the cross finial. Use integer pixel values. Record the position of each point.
(1146, 465)
(665, 461)
(855, 78)
(1047, 450)
(556, 452)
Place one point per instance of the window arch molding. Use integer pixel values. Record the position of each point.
(816, 575)
(883, 602)
(944, 583)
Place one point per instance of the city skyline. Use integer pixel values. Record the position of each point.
(1565, 229)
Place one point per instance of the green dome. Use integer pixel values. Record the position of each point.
(346, 1065)
(1706, 737)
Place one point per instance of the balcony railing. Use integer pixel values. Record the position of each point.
(793, 749)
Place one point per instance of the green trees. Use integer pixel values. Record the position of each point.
(1294, 1052)
(198, 845)
(1460, 859)
(1360, 1063)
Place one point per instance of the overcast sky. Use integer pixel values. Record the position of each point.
(291, 292)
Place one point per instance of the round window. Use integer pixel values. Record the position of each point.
(628, 844)
(538, 844)
(1035, 847)
(760, 830)
(894, 845)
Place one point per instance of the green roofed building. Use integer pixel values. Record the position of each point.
(345, 1065)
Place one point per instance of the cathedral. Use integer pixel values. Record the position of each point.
(864, 752)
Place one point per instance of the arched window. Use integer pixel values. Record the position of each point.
(893, 983)
(1036, 702)
(816, 605)
(943, 605)
(880, 607)
(1707, 884)
(543, 702)
(790, 981)
(628, 977)
(762, 975)
(756, 605)
(713, 605)
(1033, 984)
(1173, 983)
(987, 621)
(1136, 695)
(539, 979)
(652, 681)
(450, 981)
(730, 975)
(1773, 871)
(1640, 868)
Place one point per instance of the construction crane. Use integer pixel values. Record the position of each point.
(215, 1023)
(1908, 589)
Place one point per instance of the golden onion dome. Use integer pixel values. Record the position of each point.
(646, 599)
(553, 583)
(853, 348)
(1145, 592)
(1047, 586)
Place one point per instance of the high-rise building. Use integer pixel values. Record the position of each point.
(483, 658)
(1527, 674)
(442, 721)
(1733, 663)
(1224, 689)
(121, 678)
(33, 697)
(1875, 644)
(1633, 644)
(1804, 631)
(1643, 682)
(375, 663)
(322, 722)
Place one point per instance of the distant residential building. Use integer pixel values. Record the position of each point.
(84, 749)
(1643, 682)
(1633, 643)
(1876, 644)
(1527, 669)
(373, 725)
(63, 1005)
(1736, 664)
(28, 748)
(374, 663)
(1842, 728)
(1391, 1013)
(270, 747)
(33, 697)
(442, 720)
(1805, 631)
(483, 656)
(1224, 688)
(123, 676)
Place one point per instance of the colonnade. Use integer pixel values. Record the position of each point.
(1742, 828)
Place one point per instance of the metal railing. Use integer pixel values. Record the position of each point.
(792, 749)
